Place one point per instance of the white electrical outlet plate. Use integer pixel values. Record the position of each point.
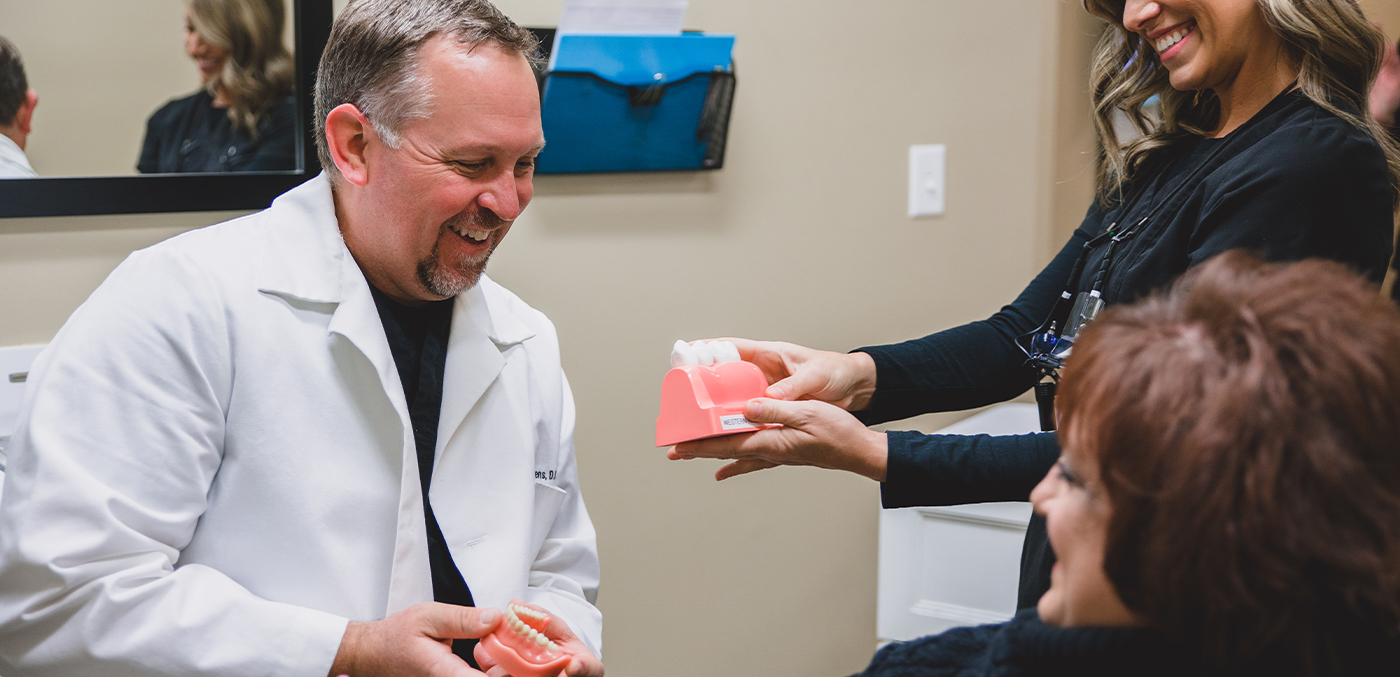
(926, 179)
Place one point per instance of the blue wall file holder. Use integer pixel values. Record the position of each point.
(615, 103)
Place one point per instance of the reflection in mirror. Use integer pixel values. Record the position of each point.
(243, 118)
(122, 84)
(17, 103)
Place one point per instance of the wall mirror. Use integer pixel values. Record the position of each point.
(120, 127)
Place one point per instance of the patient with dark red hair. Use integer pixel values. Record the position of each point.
(1228, 498)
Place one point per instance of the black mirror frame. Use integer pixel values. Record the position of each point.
(83, 196)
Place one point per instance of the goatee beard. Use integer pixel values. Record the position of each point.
(448, 280)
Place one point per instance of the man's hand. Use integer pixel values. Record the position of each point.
(414, 642)
(814, 433)
(583, 664)
(846, 380)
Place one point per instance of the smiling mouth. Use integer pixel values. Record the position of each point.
(1170, 40)
(470, 234)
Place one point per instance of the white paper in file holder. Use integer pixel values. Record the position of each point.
(620, 17)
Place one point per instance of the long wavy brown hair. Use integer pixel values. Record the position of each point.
(1247, 430)
(259, 69)
(1336, 49)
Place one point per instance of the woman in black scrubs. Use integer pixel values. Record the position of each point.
(1261, 140)
(243, 118)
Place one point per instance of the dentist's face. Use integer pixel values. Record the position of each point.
(1204, 44)
(442, 202)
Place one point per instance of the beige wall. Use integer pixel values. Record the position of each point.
(1386, 13)
(1073, 152)
(100, 68)
(801, 237)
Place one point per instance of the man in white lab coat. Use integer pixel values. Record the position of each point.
(17, 102)
(223, 456)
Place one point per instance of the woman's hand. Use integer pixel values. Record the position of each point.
(846, 380)
(814, 433)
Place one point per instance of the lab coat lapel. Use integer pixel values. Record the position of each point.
(306, 259)
(483, 489)
(357, 319)
(473, 362)
(303, 255)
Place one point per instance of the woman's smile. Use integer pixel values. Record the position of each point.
(1170, 42)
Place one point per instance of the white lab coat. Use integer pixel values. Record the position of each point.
(214, 469)
(13, 163)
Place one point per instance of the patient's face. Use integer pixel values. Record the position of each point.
(1076, 512)
(445, 198)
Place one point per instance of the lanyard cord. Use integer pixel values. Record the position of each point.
(1102, 275)
(1058, 314)
(1042, 345)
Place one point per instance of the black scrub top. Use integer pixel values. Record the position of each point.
(191, 135)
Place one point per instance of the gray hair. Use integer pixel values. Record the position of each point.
(371, 60)
(13, 84)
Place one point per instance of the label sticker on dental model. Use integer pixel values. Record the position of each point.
(736, 422)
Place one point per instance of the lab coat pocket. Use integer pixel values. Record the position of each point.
(548, 498)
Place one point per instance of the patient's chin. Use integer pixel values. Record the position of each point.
(1051, 606)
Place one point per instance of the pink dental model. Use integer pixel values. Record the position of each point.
(704, 393)
(518, 644)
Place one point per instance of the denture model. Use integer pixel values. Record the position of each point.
(518, 644)
(704, 393)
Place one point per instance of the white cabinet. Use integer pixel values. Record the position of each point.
(947, 567)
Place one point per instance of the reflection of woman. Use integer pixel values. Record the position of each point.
(1262, 140)
(244, 117)
(1228, 499)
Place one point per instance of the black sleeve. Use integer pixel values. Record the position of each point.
(957, 469)
(277, 145)
(973, 365)
(960, 368)
(1324, 193)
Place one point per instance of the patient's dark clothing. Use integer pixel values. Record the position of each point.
(1025, 646)
(191, 135)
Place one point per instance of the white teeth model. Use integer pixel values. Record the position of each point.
(724, 351)
(513, 614)
(682, 354)
(702, 353)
